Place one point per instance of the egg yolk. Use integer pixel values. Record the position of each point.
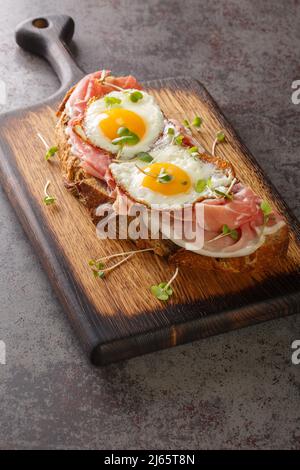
(179, 182)
(119, 117)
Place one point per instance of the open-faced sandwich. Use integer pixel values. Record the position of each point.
(116, 146)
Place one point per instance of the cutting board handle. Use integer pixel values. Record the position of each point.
(49, 37)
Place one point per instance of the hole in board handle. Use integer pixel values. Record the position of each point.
(40, 23)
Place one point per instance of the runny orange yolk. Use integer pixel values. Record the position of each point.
(180, 181)
(119, 117)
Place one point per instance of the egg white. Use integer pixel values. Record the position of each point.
(146, 108)
(130, 179)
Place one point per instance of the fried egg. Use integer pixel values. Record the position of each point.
(172, 179)
(105, 117)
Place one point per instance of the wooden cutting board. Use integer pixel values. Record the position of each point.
(118, 318)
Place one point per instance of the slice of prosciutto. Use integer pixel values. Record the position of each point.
(94, 160)
(243, 214)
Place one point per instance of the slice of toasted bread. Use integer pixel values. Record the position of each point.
(89, 190)
(92, 192)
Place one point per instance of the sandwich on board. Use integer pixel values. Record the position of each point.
(116, 146)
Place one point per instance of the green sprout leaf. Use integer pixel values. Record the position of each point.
(51, 152)
(111, 100)
(200, 186)
(193, 150)
(171, 131)
(159, 292)
(179, 139)
(225, 195)
(231, 232)
(209, 183)
(163, 290)
(164, 178)
(135, 96)
(197, 121)
(48, 200)
(186, 123)
(168, 289)
(98, 274)
(123, 131)
(126, 137)
(97, 268)
(99, 265)
(266, 208)
(220, 136)
(225, 229)
(144, 157)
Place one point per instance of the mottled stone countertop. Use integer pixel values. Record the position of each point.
(238, 390)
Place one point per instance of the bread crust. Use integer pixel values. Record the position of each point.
(92, 192)
(89, 190)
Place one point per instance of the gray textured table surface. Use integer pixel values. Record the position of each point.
(231, 391)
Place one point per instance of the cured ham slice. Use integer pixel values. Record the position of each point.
(95, 161)
(243, 213)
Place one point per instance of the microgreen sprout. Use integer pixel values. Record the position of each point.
(48, 199)
(226, 231)
(193, 150)
(164, 177)
(135, 96)
(220, 137)
(51, 152)
(197, 121)
(179, 139)
(225, 195)
(99, 269)
(126, 137)
(171, 131)
(267, 210)
(233, 233)
(144, 157)
(111, 100)
(186, 123)
(200, 185)
(164, 290)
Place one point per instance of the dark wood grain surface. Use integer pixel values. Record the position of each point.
(118, 318)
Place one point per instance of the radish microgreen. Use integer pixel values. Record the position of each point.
(111, 100)
(267, 210)
(226, 231)
(144, 157)
(51, 152)
(135, 96)
(233, 233)
(99, 269)
(225, 195)
(220, 137)
(197, 121)
(200, 186)
(163, 290)
(179, 139)
(126, 137)
(48, 199)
